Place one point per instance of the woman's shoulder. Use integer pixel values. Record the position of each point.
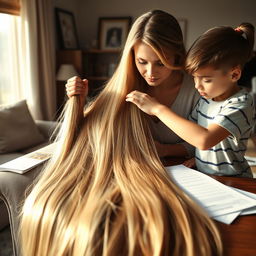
(188, 86)
(188, 81)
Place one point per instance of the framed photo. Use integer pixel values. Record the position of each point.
(113, 32)
(66, 27)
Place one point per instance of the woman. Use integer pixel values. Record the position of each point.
(105, 191)
(156, 54)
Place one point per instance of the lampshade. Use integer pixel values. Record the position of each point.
(65, 72)
(254, 84)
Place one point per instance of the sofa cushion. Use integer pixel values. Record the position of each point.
(17, 128)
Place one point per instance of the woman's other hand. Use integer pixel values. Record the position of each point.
(160, 148)
(191, 163)
(76, 86)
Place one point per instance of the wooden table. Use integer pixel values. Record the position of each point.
(239, 238)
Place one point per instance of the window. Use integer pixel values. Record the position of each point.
(9, 73)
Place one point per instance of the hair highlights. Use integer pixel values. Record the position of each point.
(105, 191)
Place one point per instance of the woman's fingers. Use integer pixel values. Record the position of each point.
(76, 86)
(74, 79)
(85, 82)
(190, 163)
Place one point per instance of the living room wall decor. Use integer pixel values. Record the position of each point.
(112, 32)
(66, 28)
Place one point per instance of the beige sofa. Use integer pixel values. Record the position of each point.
(19, 134)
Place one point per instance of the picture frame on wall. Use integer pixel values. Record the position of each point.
(113, 31)
(66, 27)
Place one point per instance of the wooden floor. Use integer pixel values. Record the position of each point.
(251, 151)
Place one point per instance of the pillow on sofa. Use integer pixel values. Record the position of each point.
(17, 128)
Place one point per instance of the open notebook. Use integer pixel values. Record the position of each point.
(27, 162)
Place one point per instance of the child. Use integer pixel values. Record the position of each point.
(224, 113)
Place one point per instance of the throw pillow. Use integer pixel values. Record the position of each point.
(17, 128)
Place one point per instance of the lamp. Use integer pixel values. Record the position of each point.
(254, 84)
(65, 72)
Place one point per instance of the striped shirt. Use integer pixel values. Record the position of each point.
(235, 114)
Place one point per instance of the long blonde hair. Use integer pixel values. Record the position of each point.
(105, 190)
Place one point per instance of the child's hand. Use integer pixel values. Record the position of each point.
(190, 163)
(144, 102)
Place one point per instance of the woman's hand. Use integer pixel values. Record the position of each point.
(191, 163)
(160, 148)
(144, 102)
(76, 86)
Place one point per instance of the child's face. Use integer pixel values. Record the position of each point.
(150, 66)
(216, 84)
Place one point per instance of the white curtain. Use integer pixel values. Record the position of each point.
(9, 59)
(36, 50)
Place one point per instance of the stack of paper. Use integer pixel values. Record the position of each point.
(221, 202)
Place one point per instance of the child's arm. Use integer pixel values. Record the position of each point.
(198, 136)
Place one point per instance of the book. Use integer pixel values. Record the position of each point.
(28, 161)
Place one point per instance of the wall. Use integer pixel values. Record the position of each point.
(200, 14)
(71, 6)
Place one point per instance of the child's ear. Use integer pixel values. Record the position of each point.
(236, 73)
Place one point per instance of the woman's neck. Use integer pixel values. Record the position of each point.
(167, 92)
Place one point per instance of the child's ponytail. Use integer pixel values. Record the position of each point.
(248, 30)
(222, 47)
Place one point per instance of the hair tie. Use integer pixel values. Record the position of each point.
(239, 30)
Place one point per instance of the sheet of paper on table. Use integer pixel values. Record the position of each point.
(221, 202)
(251, 210)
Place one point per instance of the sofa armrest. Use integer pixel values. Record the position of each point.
(13, 187)
(46, 127)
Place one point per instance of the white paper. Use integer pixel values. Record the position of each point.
(26, 162)
(227, 218)
(251, 210)
(218, 200)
